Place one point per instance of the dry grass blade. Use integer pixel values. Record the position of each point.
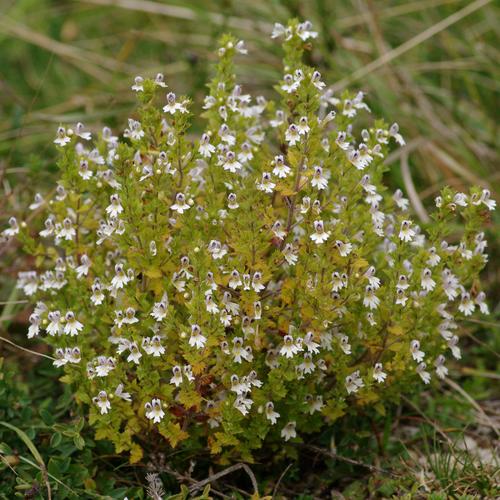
(448, 161)
(410, 44)
(410, 189)
(34, 451)
(66, 51)
(39, 354)
(214, 477)
(474, 404)
(185, 13)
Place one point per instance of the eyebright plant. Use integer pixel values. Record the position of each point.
(257, 282)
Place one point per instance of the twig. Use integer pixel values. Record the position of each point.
(27, 350)
(183, 478)
(352, 461)
(225, 472)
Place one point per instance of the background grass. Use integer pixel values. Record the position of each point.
(431, 65)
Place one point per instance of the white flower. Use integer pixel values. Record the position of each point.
(378, 373)
(83, 268)
(370, 299)
(450, 284)
(138, 84)
(290, 254)
(292, 135)
(134, 130)
(61, 138)
(278, 120)
(49, 228)
(427, 283)
(217, 250)
(243, 404)
(257, 282)
(453, 345)
(246, 154)
(240, 47)
(152, 346)
(13, 229)
(37, 202)
(466, 305)
(400, 201)
(60, 356)
(280, 169)
(316, 80)
(67, 231)
(177, 376)
(344, 344)
(101, 400)
(270, 413)
(83, 170)
(303, 127)
(266, 183)
(434, 258)
(159, 80)
(129, 317)
(289, 348)
(289, 84)
(34, 328)
(197, 339)
(344, 248)
(424, 375)
(307, 366)
(278, 30)
(406, 233)
(121, 394)
(173, 106)
(73, 355)
(311, 346)
(154, 411)
(206, 149)
(120, 279)
(320, 235)
(441, 370)
(401, 298)
(394, 133)
(72, 326)
(289, 432)
(80, 132)
(304, 31)
(97, 296)
(416, 353)
(235, 280)
(159, 311)
(135, 355)
(486, 200)
(481, 302)
(180, 204)
(318, 180)
(231, 164)
(54, 327)
(238, 351)
(278, 230)
(353, 382)
(114, 209)
(104, 365)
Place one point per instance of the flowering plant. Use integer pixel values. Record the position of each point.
(256, 282)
